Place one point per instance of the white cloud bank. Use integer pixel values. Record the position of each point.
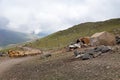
(48, 16)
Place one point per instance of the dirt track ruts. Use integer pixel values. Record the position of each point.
(9, 63)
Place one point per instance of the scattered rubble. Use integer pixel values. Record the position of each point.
(25, 51)
(45, 55)
(86, 56)
(103, 40)
(117, 39)
(92, 53)
(97, 39)
(2, 54)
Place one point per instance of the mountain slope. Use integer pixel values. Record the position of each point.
(63, 38)
(10, 37)
(41, 35)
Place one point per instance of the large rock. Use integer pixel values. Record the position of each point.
(102, 49)
(117, 39)
(103, 38)
(99, 48)
(92, 53)
(76, 53)
(86, 56)
(105, 49)
(96, 54)
(1, 54)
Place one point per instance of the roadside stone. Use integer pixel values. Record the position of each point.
(45, 55)
(102, 48)
(117, 39)
(92, 53)
(76, 53)
(97, 54)
(86, 56)
(1, 54)
(99, 48)
(108, 67)
(105, 49)
(79, 56)
(48, 55)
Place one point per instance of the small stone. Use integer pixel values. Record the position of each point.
(37, 70)
(48, 55)
(108, 67)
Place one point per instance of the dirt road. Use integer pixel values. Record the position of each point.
(62, 67)
(9, 63)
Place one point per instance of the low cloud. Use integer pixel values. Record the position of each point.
(48, 16)
(3, 22)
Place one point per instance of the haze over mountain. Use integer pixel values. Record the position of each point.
(8, 37)
(38, 16)
(48, 16)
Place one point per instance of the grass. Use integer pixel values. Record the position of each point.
(63, 38)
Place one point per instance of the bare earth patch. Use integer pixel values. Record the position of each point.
(65, 67)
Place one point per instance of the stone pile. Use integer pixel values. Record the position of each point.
(117, 39)
(92, 53)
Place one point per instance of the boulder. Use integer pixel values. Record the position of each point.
(79, 56)
(92, 53)
(76, 53)
(102, 49)
(96, 54)
(99, 48)
(117, 39)
(103, 38)
(86, 56)
(105, 49)
(48, 55)
(1, 54)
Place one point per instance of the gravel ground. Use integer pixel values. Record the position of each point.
(64, 67)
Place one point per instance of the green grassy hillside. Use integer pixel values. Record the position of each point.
(65, 37)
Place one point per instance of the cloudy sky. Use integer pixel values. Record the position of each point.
(47, 16)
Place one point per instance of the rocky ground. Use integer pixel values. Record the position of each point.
(64, 66)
